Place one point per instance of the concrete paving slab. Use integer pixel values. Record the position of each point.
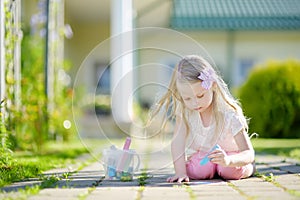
(255, 187)
(218, 195)
(216, 191)
(128, 193)
(14, 187)
(12, 195)
(289, 181)
(165, 193)
(59, 193)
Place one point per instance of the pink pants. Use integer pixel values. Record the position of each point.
(208, 171)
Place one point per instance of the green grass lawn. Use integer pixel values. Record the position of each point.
(281, 147)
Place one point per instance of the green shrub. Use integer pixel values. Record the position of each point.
(271, 99)
(5, 152)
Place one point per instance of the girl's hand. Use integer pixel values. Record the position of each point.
(219, 157)
(178, 179)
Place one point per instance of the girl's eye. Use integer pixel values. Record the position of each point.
(187, 99)
(200, 96)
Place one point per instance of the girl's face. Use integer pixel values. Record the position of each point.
(195, 97)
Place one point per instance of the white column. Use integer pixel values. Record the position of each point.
(50, 57)
(121, 60)
(51, 60)
(2, 51)
(17, 52)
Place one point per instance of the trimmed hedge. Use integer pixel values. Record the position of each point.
(271, 99)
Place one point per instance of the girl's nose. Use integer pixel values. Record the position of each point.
(195, 102)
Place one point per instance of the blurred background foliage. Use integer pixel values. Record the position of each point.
(31, 121)
(30, 117)
(271, 99)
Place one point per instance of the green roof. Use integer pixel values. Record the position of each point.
(236, 14)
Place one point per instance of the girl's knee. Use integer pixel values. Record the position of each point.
(234, 173)
(196, 171)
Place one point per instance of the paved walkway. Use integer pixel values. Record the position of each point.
(278, 179)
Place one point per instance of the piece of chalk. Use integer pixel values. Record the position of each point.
(122, 161)
(127, 143)
(205, 160)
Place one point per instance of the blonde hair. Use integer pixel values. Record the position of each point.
(187, 71)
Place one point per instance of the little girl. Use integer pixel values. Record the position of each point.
(206, 115)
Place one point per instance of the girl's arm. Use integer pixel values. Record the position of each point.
(246, 154)
(244, 157)
(178, 152)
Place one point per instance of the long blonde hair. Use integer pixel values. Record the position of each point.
(188, 70)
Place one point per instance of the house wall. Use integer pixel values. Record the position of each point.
(86, 37)
(248, 48)
(259, 47)
(234, 53)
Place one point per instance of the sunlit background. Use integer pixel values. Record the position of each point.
(99, 65)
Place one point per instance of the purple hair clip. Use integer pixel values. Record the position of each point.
(207, 78)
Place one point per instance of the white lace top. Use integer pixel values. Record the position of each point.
(203, 138)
